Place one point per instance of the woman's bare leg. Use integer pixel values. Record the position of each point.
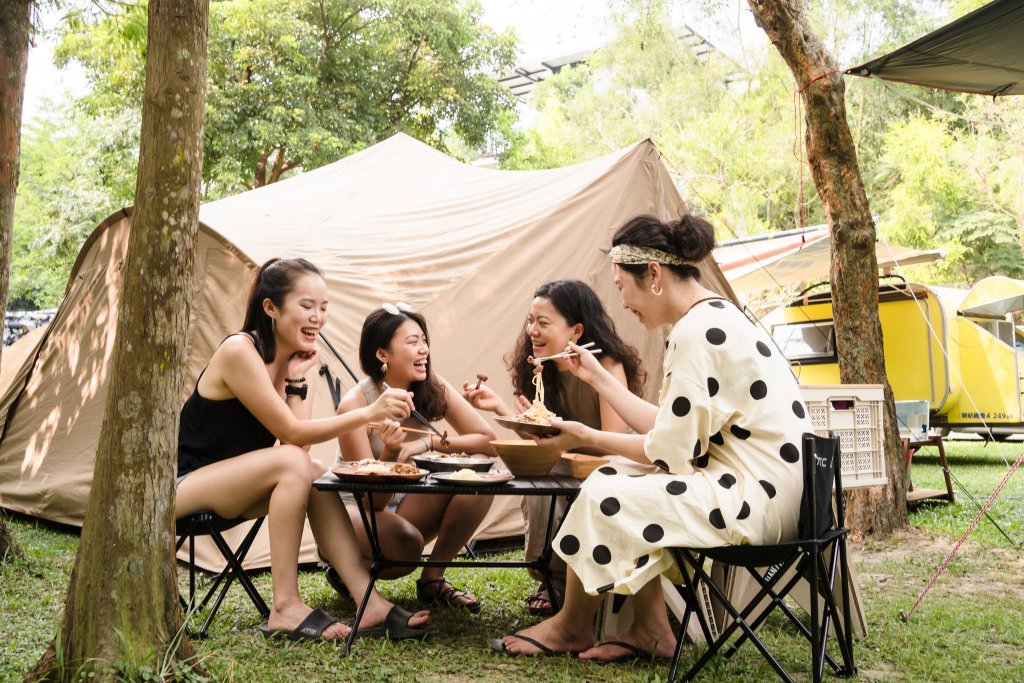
(275, 482)
(650, 630)
(337, 542)
(570, 630)
(450, 521)
(399, 540)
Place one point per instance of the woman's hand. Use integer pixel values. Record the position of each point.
(391, 404)
(584, 365)
(483, 398)
(573, 435)
(392, 434)
(302, 362)
(521, 404)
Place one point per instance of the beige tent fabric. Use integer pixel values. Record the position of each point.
(466, 246)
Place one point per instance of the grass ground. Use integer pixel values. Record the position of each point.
(970, 626)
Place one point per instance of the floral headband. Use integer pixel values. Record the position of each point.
(397, 308)
(629, 254)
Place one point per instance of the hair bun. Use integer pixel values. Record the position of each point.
(693, 237)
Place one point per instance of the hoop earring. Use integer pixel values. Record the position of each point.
(384, 368)
(656, 292)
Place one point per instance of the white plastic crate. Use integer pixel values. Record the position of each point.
(853, 414)
(912, 418)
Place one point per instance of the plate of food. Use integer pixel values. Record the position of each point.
(371, 469)
(452, 462)
(528, 425)
(468, 477)
(537, 418)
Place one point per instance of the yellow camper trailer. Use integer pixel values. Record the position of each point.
(958, 349)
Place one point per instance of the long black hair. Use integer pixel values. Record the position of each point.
(578, 304)
(275, 280)
(689, 237)
(378, 331)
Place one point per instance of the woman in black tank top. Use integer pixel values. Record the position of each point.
(243, 449)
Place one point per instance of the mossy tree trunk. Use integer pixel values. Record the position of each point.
(836, 172)
(15, 25)
(122, 611)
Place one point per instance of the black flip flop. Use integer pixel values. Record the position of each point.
(311, 628)
(634, 652)
(498, 645)
(335, 582)
(395, 626)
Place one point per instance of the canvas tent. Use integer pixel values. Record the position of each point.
(464, 245)
(981, 52)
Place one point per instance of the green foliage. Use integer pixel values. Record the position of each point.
(75, 170)
(302, 83)
(977, 601)
(717, 126)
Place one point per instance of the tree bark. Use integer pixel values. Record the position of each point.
(836, 172)
(15, 25)
(8, 548)
(122, 606)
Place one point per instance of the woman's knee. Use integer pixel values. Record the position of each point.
(292, 461)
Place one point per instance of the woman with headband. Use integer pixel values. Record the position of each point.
(718, 458)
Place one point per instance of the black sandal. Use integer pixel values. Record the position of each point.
(542, 595)
(446, 594)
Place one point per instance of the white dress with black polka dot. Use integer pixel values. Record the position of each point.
(727, 441)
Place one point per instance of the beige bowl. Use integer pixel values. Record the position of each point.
(581, 465)
(524, 458)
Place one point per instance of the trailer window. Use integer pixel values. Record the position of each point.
(807, 341)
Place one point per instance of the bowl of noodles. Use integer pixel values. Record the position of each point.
(526, 458)
(534, 420)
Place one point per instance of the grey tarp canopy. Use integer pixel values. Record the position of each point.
(398, 221)
(982, 52)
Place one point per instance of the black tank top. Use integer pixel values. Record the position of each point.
(212, 431)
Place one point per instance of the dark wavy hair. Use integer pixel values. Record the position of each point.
(378, 331)
(690, 237)
(275, 280)
(577, 303)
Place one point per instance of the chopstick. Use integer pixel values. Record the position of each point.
(565, 354)
(376, 425)
(416, 414)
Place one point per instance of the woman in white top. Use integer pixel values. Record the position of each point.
(394, 351)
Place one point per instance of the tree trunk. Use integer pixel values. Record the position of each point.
(834, 166)
(8, 548)
(15, 24)
(122, 607)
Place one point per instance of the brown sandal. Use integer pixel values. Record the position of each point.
(445, 594)
(538, 603)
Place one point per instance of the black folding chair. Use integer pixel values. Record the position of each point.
(206, 523)
(820, 534)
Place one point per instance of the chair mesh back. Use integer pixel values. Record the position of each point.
(820, 459)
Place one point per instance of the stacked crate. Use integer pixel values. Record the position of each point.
(853, 414)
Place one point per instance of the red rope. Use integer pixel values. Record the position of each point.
(819, 77)
(798, 147)
(942, 567)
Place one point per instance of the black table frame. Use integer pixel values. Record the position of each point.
(551, 486)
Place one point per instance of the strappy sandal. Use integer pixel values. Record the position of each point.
(445, 594)
(541, 595)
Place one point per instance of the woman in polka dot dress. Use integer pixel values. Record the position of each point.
(719, 465)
